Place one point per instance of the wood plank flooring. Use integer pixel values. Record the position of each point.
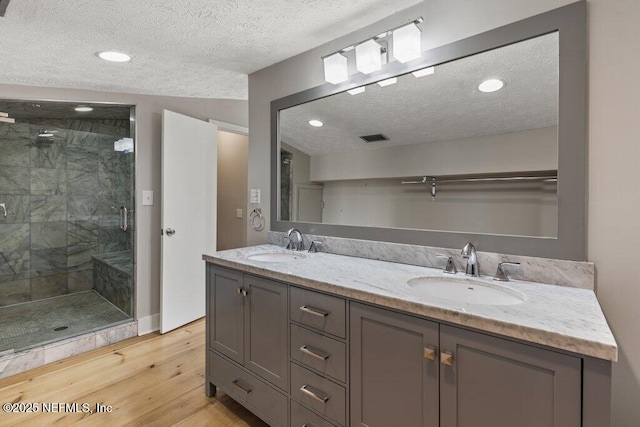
(150, 380)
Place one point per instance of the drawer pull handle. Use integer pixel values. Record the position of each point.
(314, 311)
(246, 389)
(317, 394)
(313, 352)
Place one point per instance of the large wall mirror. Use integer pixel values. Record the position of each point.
(436, 158)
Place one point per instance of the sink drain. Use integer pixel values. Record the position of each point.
(60, 328)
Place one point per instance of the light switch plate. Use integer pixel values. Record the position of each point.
(147, 198)
(239, 213)
(255, 195)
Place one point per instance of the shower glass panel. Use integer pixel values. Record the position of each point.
(66, 240)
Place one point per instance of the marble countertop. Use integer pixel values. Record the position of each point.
(555, 316)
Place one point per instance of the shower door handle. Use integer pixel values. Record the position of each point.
(124, 214)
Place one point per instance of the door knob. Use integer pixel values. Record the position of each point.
(170, 232)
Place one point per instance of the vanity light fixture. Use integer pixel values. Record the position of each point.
(371, 56)
(335, 68)
(113, 56)
(424, 72)
(406, 43)
(368, 56)
(316, 123)
(388, 82)
(83, 109)
(490, 85)
(357, 90)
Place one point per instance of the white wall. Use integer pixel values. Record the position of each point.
(529, 150)
(614, 126)
(522, 209)
(148, 136)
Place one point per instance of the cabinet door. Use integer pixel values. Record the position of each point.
(499, 383)
(266, 330)
(394, 381)
(226, 333)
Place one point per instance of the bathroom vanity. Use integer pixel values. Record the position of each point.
(367, 333)
(330, 340)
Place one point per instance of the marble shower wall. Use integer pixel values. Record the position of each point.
(62, 196)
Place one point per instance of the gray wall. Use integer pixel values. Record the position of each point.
(148, 138)
(614, 197)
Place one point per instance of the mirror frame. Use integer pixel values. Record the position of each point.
(570, 243)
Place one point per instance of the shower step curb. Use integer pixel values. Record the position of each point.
(16, 363)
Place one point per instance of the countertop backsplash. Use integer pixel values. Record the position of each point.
(574, 274)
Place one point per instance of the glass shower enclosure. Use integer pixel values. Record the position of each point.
(66, 220)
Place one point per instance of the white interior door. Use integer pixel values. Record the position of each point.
(308, 202)
(189, 163)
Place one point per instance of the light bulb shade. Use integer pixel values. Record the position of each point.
(406, 43)
(335, 68)
(368, 57)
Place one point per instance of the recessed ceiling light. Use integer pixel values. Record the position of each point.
(490, 85)
(83, 109)
(316, 123)
(114, 56)
(357, 90)
(387, 82)
(424, 72)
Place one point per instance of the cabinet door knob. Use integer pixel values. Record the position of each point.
(429, 353)
(446, 358)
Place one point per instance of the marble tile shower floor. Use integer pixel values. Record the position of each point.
(29, 324)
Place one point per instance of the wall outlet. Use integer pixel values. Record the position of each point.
(255, 195)
(239, 213)
(147, 198)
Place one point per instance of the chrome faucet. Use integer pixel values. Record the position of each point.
(298, 245)
(469, 252)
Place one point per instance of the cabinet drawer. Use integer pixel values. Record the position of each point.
(244, 387)
(302, 417)
(322, 353)
(321, 394)
(323, 312)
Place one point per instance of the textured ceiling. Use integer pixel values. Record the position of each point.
(202, 48)
(62, 110)
(444, 106)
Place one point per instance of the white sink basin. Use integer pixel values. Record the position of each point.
(276, 257)
(466, 290)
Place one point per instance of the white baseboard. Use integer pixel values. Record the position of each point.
(148, 324)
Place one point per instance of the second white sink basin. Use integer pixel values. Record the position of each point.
(276, 257)
(466, 290)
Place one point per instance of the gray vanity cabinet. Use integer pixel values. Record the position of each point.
(488, 381)
(266, 330)
(394, 369)
(248, 323)
(226, 313)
